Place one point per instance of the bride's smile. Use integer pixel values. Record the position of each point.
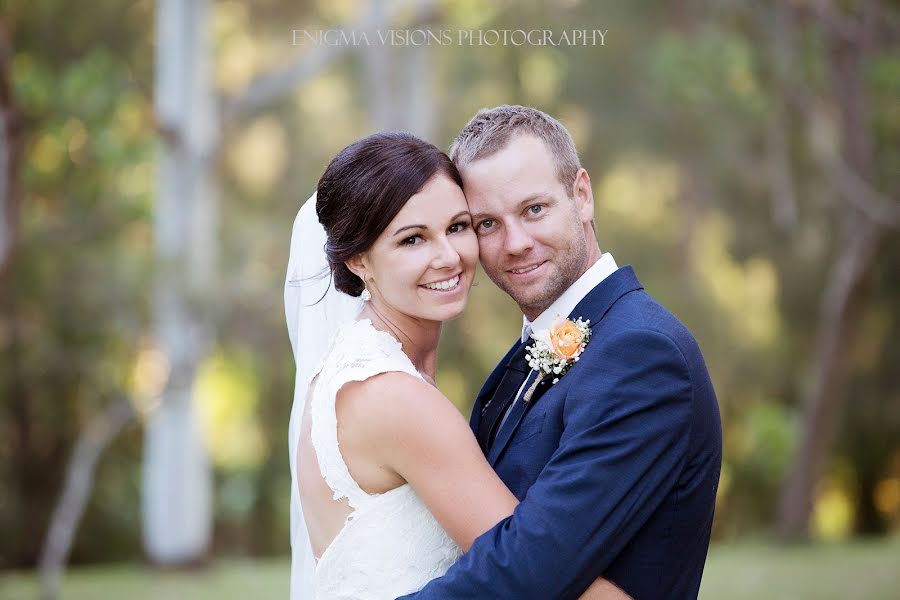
(447, 285)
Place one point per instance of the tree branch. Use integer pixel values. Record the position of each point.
(857, 191)
(100, 431)
(269, 87)
(853, 187)
(837, 24)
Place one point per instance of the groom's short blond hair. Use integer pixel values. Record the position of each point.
(491, 129)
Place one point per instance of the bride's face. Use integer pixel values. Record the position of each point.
(424, 263)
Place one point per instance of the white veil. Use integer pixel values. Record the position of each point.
(313, 309)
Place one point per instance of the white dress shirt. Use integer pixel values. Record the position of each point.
(569, 299)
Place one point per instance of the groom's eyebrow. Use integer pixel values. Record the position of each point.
(522, 204)
(535, 196)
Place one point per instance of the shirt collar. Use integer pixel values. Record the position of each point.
(569, 299)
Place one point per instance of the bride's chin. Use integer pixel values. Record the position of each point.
(444, 312)
(456, 311)
(455, 315)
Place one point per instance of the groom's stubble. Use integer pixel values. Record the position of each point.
(570, 262)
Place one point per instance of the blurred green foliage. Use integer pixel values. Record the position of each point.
(670, 119)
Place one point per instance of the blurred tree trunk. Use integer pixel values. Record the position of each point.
(380, 75)
(14, 390)
(864, 215)
(397, 78)
(177, 515)
(422, 102)
(10, 160)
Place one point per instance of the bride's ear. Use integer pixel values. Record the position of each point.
(357, 266)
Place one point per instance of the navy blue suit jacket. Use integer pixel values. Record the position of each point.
(616, 465)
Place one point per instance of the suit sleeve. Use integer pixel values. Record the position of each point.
(626, 430)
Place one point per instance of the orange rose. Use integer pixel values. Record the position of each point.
(566, 339)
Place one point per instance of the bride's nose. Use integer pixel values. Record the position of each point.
(445, 256)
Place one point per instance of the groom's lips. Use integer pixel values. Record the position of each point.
(525, 271)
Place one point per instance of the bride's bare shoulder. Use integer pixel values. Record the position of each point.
(397, 408)
(390, 395)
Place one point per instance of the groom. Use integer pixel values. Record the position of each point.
(616, 464)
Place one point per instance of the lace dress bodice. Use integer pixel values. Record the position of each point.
(391, 544)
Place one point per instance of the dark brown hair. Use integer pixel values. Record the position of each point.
(363, 189)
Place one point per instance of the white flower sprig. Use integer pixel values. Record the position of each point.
(556, 349)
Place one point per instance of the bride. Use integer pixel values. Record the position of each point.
(389, 483)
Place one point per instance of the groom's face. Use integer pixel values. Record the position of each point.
(533, 231)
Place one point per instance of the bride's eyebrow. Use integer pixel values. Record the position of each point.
(462, 213)
(405, 227)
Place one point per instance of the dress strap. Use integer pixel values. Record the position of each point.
(359, 351)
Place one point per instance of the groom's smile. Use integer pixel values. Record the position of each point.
(528, 269)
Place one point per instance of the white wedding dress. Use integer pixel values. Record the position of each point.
(391, 544)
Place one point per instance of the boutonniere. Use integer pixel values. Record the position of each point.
(556, 349)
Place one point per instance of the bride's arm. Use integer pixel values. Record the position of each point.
(416, 432)
(603, 589)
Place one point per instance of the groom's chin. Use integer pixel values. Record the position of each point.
(525, 296)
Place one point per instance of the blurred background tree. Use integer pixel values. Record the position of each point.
(744, 159)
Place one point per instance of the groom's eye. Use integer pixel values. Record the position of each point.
(486, 224)
(536, 209)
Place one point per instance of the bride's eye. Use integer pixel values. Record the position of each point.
(457, 227)
(412, 240)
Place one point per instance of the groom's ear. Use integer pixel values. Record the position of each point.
(583, 195)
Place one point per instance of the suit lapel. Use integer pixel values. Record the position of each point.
(519, 409)
(593, 306)
(491, 411)
(599, 300)
(489, 387)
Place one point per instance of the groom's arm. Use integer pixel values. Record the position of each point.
(626, 429)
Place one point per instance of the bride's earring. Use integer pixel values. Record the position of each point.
(366, 296)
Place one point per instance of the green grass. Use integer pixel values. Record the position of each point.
(226, 580)
(855, 570)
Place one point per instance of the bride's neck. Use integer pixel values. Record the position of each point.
(418, 337)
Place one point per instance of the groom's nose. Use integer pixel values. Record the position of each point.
(517, 239)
